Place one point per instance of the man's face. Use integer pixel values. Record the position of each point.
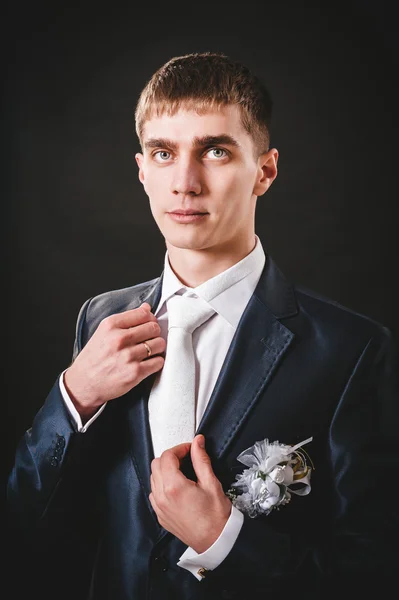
(203, 164)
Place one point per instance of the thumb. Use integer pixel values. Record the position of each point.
(180, 451)
(201, 461)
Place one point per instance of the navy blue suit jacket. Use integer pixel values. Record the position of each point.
(299, 365)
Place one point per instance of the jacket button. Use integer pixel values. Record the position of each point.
(161, 564)
(60, 442)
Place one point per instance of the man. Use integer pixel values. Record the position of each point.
(110, 483)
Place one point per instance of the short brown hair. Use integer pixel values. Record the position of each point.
(203, 81)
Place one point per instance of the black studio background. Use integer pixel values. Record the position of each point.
(76, 221)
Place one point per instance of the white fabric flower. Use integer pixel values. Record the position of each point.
(271, 471)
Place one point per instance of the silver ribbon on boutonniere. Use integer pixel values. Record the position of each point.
(275, 472)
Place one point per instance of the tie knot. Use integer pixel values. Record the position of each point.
(188, 313)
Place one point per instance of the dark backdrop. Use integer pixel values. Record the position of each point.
(76, 221)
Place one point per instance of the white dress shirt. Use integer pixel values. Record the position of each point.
(228, 293)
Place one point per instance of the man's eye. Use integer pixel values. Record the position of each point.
(217, 152)
(162, 155)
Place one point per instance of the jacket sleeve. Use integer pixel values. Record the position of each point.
(50, 488)
(42, 451)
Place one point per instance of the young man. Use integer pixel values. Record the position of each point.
(126, 482)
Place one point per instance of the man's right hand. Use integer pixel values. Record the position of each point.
(115, 359)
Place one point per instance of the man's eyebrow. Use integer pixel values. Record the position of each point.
(160, 143)
(198, 142)
(215, 140)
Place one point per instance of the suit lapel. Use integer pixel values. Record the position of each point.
(140, 441)
(255, 352)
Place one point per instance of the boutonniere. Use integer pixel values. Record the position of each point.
(275, 471)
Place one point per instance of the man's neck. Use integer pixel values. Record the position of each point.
(194, 267)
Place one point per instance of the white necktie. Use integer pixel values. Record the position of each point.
(172, 399)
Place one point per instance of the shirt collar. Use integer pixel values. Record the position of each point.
(217, 290)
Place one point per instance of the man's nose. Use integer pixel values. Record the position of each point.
(186, 177)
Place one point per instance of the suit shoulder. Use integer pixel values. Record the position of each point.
(325, 309)
(98, 307)
(119, 300)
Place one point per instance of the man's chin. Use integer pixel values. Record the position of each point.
(186, 242)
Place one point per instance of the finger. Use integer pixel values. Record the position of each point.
(155, 346)
(153, 503)
(172, 457)
(154, 487)
(150, 366)
(170, 461)
(156, 476)
(137, 335)
(201, 461)
(142, 333)
(133, 317)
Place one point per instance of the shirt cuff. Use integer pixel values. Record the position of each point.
(198, 564)
(74, 413)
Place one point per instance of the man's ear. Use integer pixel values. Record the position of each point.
(267, 171)
(140, 160)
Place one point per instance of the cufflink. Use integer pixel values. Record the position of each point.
(202, 572)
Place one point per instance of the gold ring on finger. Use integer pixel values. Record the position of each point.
(149, 351)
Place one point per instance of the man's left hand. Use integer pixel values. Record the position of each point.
(195, 512)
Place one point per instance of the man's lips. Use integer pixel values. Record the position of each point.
(180, 211)
(187, 216)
